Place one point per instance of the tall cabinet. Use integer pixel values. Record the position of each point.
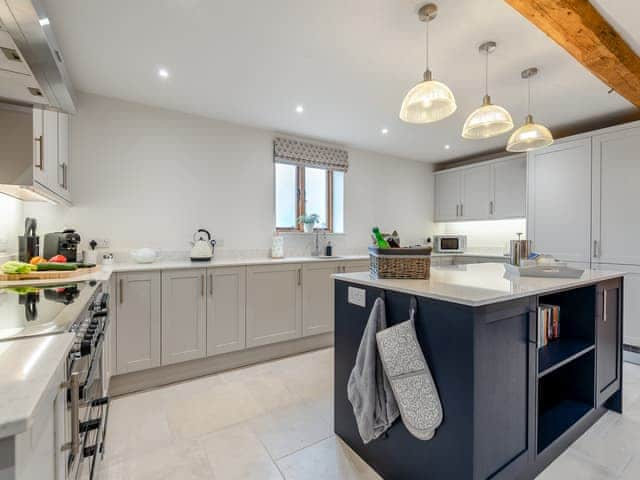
(582, 208)
(559, 215)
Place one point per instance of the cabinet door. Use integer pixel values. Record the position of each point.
(183, 315)
(138, 321)
(476, 193)
(631, 301)
(355, 266)
(616, 169)
(559, 213)
(447, 200)
(274, 304)
(63, 157)
(608, 354)
(509, 179)
(226, 302)
(49, 151)
(317, 297)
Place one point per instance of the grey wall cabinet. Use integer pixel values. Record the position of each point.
(183, 315)
(137, 321)
(490, 190)
(226, 312)
(274, 303)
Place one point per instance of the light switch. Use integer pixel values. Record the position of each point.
(357, 296)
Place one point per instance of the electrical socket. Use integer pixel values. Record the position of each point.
(102, 242)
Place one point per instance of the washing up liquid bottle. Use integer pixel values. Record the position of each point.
(382, 243)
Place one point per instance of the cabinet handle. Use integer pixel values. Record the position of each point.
(211, 284)
(491, 207)
(202, 285)
(457, 210)
(299, 276)
(121, 285)
(65, 184)
(462, 209)
(595, 249)
(40, 141)
(604, 305)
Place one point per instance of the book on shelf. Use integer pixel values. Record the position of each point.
(548, 324)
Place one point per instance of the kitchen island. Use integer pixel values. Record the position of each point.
(510, 406)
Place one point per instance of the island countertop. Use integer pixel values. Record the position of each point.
(477, 284)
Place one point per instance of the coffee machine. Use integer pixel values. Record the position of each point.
(29, 243)
(62, 243)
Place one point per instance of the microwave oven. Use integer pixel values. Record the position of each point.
(450, 243)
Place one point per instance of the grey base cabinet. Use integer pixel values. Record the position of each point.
(317, 301)
(137, 321)
(274, 303)
(183, 315)
(226, 293)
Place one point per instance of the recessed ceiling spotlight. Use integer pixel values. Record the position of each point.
(385, 131)
(163, 73)
(44, 21)
(447, 147)
(299, 109)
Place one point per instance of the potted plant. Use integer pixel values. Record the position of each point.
(309, 221)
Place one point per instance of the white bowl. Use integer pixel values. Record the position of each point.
(144, 255)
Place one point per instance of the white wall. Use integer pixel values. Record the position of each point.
(11, 224)
(143, 176)
(490, 236)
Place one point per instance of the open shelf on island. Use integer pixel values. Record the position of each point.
(565, 395)
(560, 352)
(577, 328)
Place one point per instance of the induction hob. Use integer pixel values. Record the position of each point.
(27, 311)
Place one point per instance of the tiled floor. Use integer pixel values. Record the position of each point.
(274, 421)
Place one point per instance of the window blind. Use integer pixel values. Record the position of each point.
(296, 152)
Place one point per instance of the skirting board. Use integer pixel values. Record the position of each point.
(156, 377)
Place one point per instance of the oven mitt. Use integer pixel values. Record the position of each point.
(410, 378)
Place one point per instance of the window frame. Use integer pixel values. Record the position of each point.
(301, 201)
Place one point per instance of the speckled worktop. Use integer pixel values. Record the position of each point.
(477, 284)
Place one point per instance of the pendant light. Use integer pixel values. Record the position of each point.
(487, 120)
(530, 136)
(429, 101)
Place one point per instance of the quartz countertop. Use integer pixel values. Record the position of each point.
(106, 270)
(27, 378)
(477, 284)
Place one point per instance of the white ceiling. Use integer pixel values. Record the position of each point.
(349, 62)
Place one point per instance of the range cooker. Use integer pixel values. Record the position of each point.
(27, 311)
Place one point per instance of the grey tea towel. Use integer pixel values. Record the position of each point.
(368, 388)
(410, 377)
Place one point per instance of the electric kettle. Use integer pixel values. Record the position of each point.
(203, 244)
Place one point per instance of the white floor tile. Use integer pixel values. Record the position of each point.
(330, 459)
(236, 453)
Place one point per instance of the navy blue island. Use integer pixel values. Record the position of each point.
(513, 400)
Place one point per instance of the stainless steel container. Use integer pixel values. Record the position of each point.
(519, 250)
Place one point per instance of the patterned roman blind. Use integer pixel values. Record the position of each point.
(296, 152)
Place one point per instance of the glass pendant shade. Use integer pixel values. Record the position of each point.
(487, 121)
(530, 136)
(429, 101)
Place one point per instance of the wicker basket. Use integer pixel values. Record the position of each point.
(407, 264)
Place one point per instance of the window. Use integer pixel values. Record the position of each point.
(304, 190)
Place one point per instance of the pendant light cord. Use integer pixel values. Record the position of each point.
(427, 44)
(486, 73)
(529, 95)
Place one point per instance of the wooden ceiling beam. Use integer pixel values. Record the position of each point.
(580, 29)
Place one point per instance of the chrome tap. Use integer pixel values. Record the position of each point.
(316, 250)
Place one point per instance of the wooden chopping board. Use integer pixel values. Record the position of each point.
(48, 275)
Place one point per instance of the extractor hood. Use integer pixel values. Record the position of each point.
(32, 70)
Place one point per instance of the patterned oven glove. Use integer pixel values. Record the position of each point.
(410, 378)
